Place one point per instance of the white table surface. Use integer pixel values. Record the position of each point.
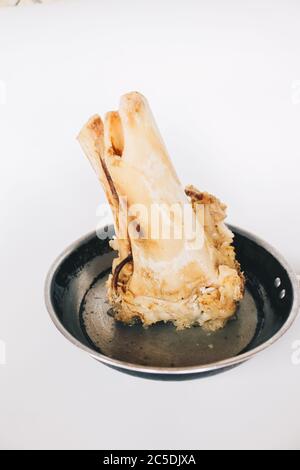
(223, 79)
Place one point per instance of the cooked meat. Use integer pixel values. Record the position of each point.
(185, 272)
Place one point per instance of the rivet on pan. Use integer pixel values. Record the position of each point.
(282, 294)
(277, 282)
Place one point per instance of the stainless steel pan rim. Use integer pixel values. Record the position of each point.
(176, 370)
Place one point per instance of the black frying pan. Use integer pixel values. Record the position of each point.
(75, 298)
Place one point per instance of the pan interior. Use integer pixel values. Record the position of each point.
(161, 345)
(79, 300)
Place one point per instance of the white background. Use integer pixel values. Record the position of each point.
(223, 79)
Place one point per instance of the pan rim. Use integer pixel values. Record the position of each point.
(211, 367)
